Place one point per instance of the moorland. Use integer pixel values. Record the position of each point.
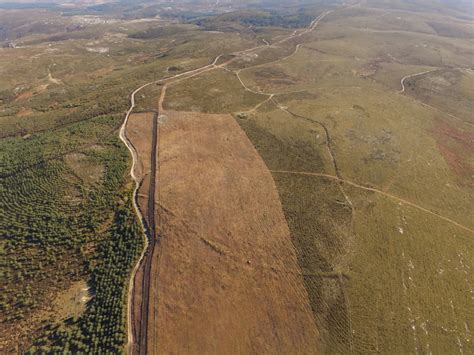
(353, 120)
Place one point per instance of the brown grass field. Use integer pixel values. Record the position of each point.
(226, 276)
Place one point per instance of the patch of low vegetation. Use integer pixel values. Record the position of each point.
(450, 90)
(157, 32)
(256, 19)
(452, 30)
(217, 92)
(320, 224)
(20, 154)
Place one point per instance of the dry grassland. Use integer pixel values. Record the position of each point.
(227, 278)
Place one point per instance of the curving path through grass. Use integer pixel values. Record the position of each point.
(386, 194)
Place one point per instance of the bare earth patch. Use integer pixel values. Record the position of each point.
(24, 112)
(24, 95)
(84, 169)
(225, 277)
(456, 147)
(72, 301)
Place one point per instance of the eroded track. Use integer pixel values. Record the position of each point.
(142, 319)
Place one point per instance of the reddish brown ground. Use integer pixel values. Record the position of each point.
(30, 93)
(24, 112)
(24, 95)
(225, 277)
(456, 146)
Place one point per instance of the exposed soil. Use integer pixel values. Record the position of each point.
(72, 301)
(225, 277)
(24, 112)
(24, 95)
(456, 147)
(84, 169)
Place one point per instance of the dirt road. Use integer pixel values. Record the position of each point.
(140, 126)
(402, 81)
(135, 337)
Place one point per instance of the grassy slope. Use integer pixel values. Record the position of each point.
(393, 256)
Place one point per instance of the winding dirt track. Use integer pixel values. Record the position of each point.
(402, 81)
(134, 337)
(403, 91)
